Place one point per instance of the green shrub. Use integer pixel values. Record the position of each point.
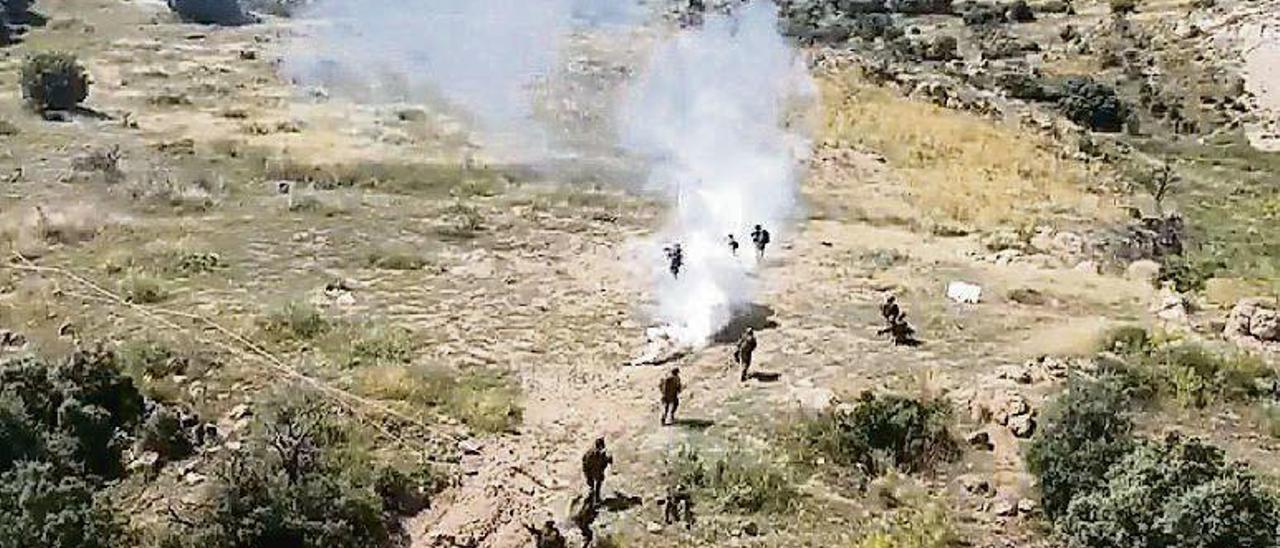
(395, 258)
(1177, 494)
(1196, 377)
(163, 433)
(210, 12)
(1126, 340)
(1085, 431)
(1093, 105)
(54, 81)
(43, 506)
(295, 320)
(150, 359)
(909, 434)
(1188, 274)
(734, 482)
(1123, 7)
(286, 488)
(142, 289)
(382, 345)
(925, 526)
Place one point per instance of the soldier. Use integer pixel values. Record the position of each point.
(583, 513)
(679, 505)
(594, 463)
(746, 346)
(675, 259)
(546, 537)
(733, 245)
(890, 310)
(670, 387)
(760, 237)
(901, 331)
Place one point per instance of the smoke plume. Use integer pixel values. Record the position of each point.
(709, 114)
(706, 116)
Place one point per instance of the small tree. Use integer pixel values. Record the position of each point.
(210, 12)
(54, 81)
(42, 506)
(1123, 7)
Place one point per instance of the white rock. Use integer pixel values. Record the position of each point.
(1142, 271)
(964, 292)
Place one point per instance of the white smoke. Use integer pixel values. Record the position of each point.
(481, 57)
(709, 113)
(706, 115)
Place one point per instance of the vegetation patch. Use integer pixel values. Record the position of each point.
(1186, 373)
(737, 481)
(1101, 486)
(483, 399)
(880, 432)
(960, 167)
(54, 81)
(914, 526)
(295, 320)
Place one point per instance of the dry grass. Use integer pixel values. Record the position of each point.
(485, 400)
(958, 166)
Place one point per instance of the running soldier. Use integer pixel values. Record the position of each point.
(733, 245)
(594, 463)
(675, 260)
(760, 237)
(890, 310)
(670, 387)
(742, 354)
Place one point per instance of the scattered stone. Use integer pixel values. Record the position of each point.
(145, 463)
(653, 527)
(240, 411)
(1027, 506)
(1005, 507)
(1171, 306)
(980, 440)
(1022, 426)
(1010, 405)
(1020, 374)
(1254, 318)
(751, 529)
(11, 339)
(976, 485)
(470, 447)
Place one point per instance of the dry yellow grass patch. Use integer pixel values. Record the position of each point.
(958, 166)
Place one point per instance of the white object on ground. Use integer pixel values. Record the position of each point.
(964, 292)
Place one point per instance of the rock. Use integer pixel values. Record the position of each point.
(750, 529)
(1171, 306)
(964, 292)
(1255, 318)
(1144, 270)
(1020, 374)
(980, 440)
(1010, 405)
(11, 339)
(1027, 506)
(653, 527)
(976, 485)
(145, 463)
(1022, 426)
(1005, 507)
(470, 447)
(240, 411)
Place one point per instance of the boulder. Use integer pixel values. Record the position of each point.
(980, 440)
(964, 292)
(1254, 318)
(1022, 426)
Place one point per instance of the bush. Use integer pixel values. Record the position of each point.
(295, 320)
(1196, 377)
(926, 526)
(164, 433)
(42, 506)
(141, 289)
(911, 435)
(285, 488)
(382, 345)
(54, 81)
(1178, 494)
(1123, 7)
(1093, 105)
(735, 482)
(1126, 340)
(1085, 431)
(1188, 274)
(486, 400)
(395, 258)
(210, 12)
(151, 359)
